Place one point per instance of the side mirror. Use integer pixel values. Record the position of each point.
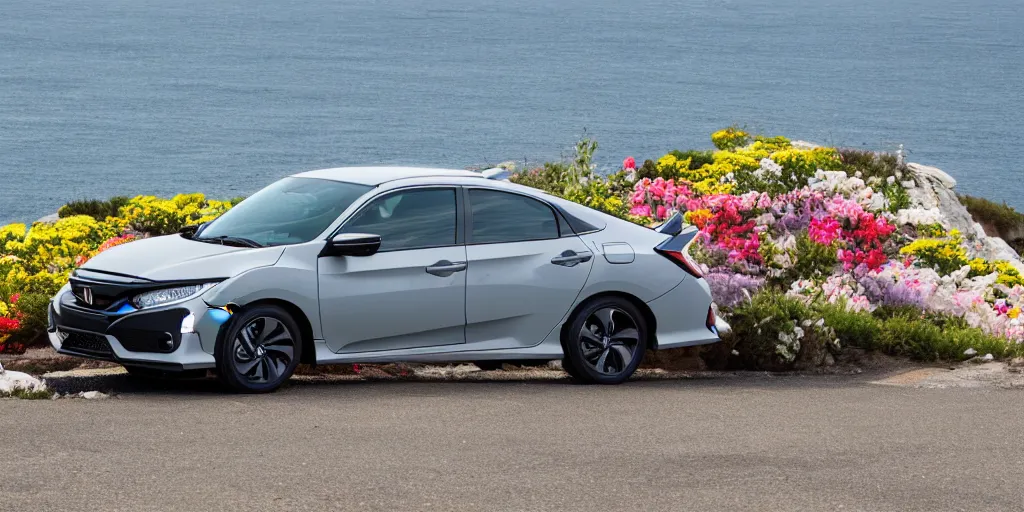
(351, 244)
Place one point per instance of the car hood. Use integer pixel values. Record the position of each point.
(173, 257)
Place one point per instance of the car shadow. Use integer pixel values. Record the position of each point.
(123, 385)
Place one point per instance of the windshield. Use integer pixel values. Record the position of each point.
(289, 211)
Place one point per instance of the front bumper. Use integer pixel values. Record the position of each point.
(140, 338)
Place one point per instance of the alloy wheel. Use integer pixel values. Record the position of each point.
(263, 349)
(609, 340)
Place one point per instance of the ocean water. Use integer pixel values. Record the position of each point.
(106, 97)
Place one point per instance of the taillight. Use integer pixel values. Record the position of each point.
(676, 249)
(683, 259)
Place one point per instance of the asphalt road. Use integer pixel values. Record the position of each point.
(795, 443)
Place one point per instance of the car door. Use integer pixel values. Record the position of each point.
(412, 292)
(525, 271)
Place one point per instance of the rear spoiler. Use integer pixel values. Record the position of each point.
(673, 226)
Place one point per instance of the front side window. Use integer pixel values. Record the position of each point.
(504, 217)
(413, 219)
(290, 211)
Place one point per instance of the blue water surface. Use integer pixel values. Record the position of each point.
(105, 97)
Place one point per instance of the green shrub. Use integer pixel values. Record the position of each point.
(551, 178)
(897, 197)
(811, 260)
(1007, 222)
(853, 328)
(94, 208)
(776, 332)
(871, 164)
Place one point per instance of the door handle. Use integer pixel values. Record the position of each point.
(445, 268)
(572, 258)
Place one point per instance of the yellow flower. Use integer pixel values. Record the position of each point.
(1013, 313)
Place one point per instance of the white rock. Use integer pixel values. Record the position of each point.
(987, 357)
(934, 173)
(803, 144)
(93, 395)
(11, 381)
(49, 219)
(970, 352)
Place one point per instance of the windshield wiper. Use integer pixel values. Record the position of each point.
(229, 240)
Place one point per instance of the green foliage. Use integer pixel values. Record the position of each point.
(95, 208)
(811, 260)
(1008, 223)
(596, 194)
(907, 331)
(776, 332)
(871, 164)
(648, 170)
(853, 328)
(27, 394)
(33, 308)
(697, 158)
(896, 196)
(551, 178)
(931, 231)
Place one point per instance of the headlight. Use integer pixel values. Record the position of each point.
(168, 295)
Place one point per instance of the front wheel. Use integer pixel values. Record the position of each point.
(259, 351)
(605, 342)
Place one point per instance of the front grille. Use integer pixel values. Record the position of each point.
(92, 297)
(86, 343)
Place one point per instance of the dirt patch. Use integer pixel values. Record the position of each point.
(37, 361)
(968, 375)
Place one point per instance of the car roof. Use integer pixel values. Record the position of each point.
(376, 175)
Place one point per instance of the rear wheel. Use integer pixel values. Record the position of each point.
(259, 351)
(605, 342)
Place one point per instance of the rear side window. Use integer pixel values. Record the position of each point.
(414, 219)
(503, 217)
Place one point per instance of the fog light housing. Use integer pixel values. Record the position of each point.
(188, 324)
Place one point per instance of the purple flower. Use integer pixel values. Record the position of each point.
(730, 288)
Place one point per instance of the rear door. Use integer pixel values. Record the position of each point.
(412, 292)
(525, 271)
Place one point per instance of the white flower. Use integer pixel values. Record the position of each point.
(890, 180)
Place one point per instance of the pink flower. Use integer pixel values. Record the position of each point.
(824, 230)
(641, 210)
(629, 163)
(662, 211)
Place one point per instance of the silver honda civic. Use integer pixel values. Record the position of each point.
(387, 264)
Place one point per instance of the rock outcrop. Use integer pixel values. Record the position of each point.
(933, 190)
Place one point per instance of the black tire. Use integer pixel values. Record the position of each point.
(568, 368)
(144, 373)
(264, 356)
(593, 355)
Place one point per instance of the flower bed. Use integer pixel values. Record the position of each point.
(36, 262)
(790, 236)
(806, 249)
